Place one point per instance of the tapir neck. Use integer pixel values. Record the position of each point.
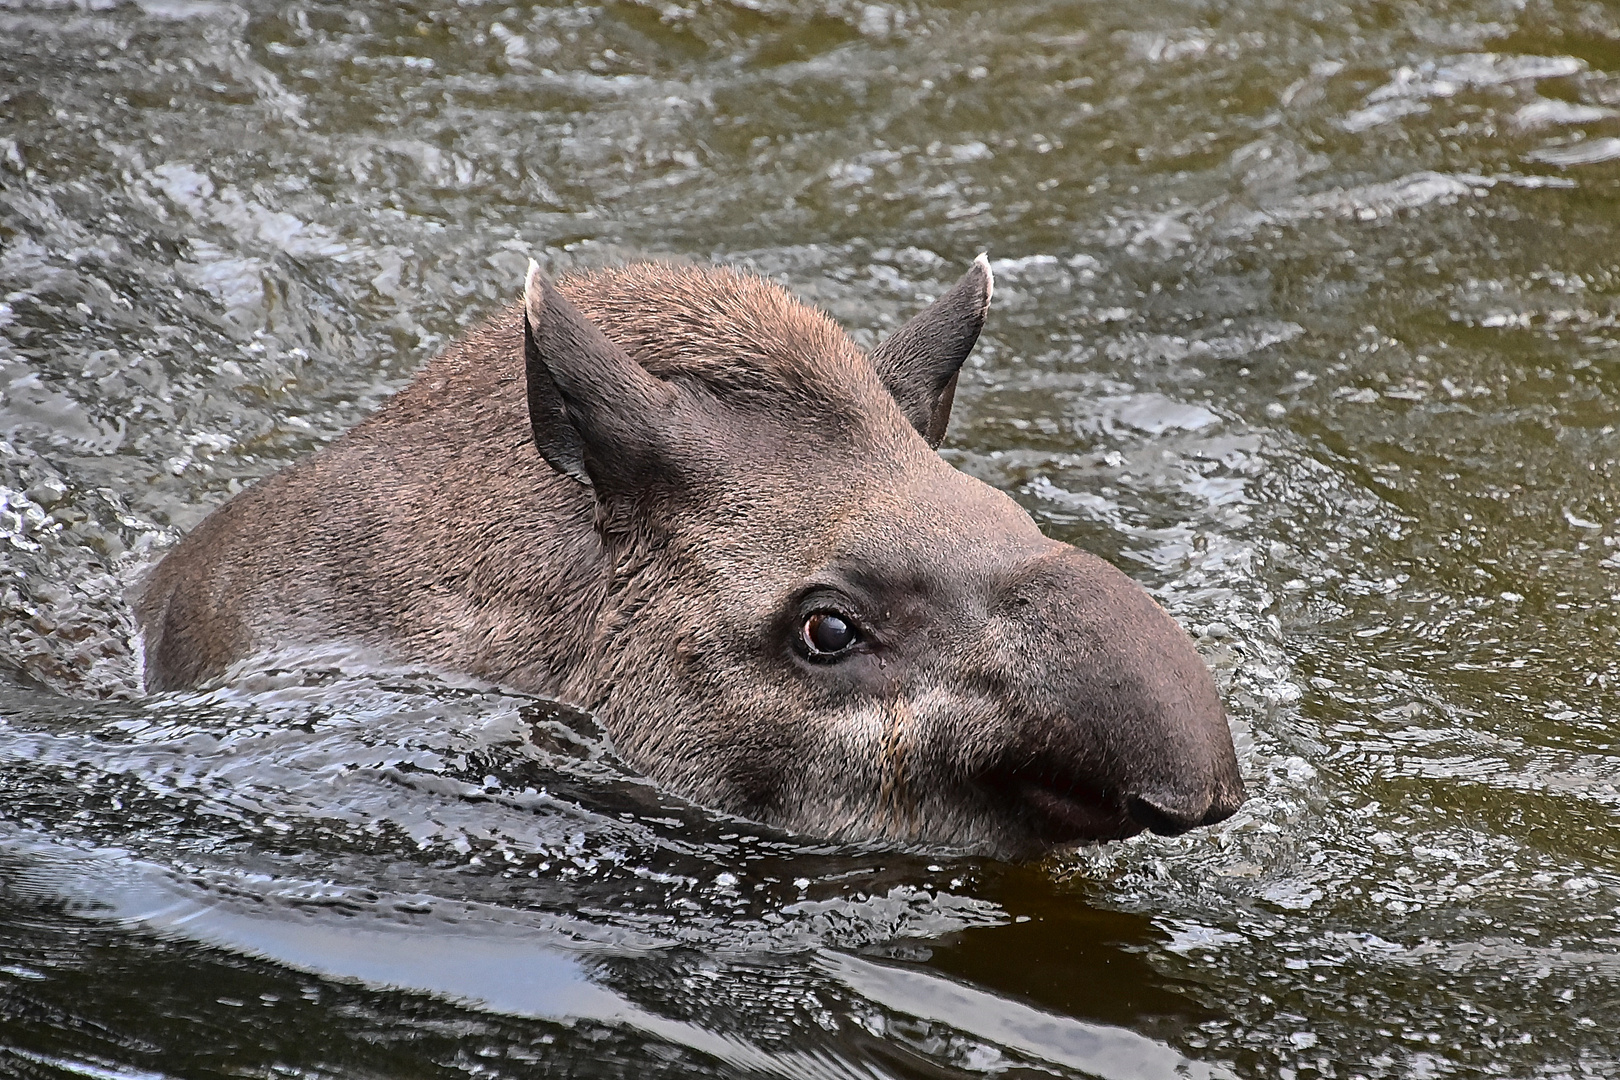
(433, 532)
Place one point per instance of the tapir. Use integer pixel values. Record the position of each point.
(681, 499)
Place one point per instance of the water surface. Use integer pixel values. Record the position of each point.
(1305, 316)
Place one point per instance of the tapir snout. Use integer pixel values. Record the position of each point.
(1123, 728)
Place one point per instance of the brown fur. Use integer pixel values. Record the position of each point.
(1011, 692)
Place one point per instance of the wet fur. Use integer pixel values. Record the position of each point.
(660, 595)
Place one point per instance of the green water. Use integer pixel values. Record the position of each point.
(1305, 315)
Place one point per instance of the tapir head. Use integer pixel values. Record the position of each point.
(813, 620)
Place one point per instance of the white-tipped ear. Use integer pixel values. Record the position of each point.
(595, 413)
(531, 287)
(981, 260)
(554, 433)
(919, 362)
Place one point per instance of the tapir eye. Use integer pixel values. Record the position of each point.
(827, 633)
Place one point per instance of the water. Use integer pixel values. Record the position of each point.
(1305, 315)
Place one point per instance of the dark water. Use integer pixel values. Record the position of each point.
(1306, 316)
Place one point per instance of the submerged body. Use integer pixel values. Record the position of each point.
(682, 500)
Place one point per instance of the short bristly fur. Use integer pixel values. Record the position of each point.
(633, 490)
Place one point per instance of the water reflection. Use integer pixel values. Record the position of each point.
(745, 1012)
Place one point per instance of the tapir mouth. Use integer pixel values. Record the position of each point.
(1070, 816)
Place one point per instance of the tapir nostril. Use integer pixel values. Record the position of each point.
(1164, 819)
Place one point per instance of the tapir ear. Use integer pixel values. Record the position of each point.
(593, 410)
(920, 361)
